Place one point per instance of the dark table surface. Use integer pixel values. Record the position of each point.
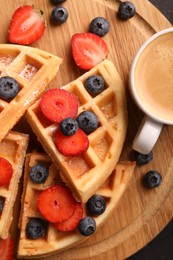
(161, 248)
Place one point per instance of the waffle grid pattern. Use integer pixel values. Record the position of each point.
(32, 69)
(13, 148)
(83, 173)
(56, 241)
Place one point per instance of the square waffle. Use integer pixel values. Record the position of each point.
(13, 148)
(33, 69)
(85, 173)
(56, 241)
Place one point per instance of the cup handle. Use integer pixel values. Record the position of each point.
(147, 135)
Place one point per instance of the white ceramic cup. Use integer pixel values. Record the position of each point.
(150, 79)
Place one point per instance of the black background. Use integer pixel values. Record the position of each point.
(161, 248)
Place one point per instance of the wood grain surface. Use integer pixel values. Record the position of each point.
(142, 213)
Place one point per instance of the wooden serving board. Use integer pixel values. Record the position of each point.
(142, 213)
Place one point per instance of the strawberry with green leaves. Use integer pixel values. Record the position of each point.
(27, 25)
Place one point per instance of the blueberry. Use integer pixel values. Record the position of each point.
(126, 10)
(96, 205)
(143, 158)
(99, 26)
(56, 2)
(38, 173)
(69, 126)
(59, 15)
(87, 226)
(8, 88)
(94, 84)
(152, 179)
(1, 204)
(36, 228)
(87, 121)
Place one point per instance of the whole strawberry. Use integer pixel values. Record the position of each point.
(27, 25)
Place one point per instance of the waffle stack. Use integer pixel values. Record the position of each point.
(86, 173)
(56, 241)
(33, 69)
(13, 148)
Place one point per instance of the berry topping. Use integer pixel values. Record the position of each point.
(38, 173)
(8, 88)
(59, 15)
(36, 228)
(72, 145)
(7, 248)
(71, 223)
(99, 26)
(87, 226)
(88, 50)
(126, 10)
(87, 121)
(6, 171)
(143, 158)
(1, 204)
(96, 205)
(69, 126)
(152, 179)
(56, 203)
(94, 84)
(58, 104)
(27, 25)
(56, 2)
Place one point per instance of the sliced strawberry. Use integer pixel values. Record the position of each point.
(56, 203)
(88, 49)
(71, 223)
(72, 145)
(27, 25)
(58, 104)
(7, 248)
(6, 171)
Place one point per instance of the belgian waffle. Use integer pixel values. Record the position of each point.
(13, 148)
(84, 174)
(33, 69)
(56, 241)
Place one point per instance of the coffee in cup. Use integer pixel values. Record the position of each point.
(151, 86)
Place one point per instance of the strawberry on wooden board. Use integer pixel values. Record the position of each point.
(56, 203)
(73, 145)
(7, 248)
(88, 49)
(27, 25)
(71, 223)
(58, 104)
(6, 171)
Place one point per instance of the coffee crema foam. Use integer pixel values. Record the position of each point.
(154, 76)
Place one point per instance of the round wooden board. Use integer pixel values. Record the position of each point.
(142, 213)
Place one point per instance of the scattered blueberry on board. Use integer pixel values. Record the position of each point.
(126, 10)
(87, 226)
(69, 126)
(87, 121)
(38, 173)
(143, 158)
(56, 2)
(59, 15)
(152, 179)
(36, 228)
(96, 205)
(99, 26)
(9, 88)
